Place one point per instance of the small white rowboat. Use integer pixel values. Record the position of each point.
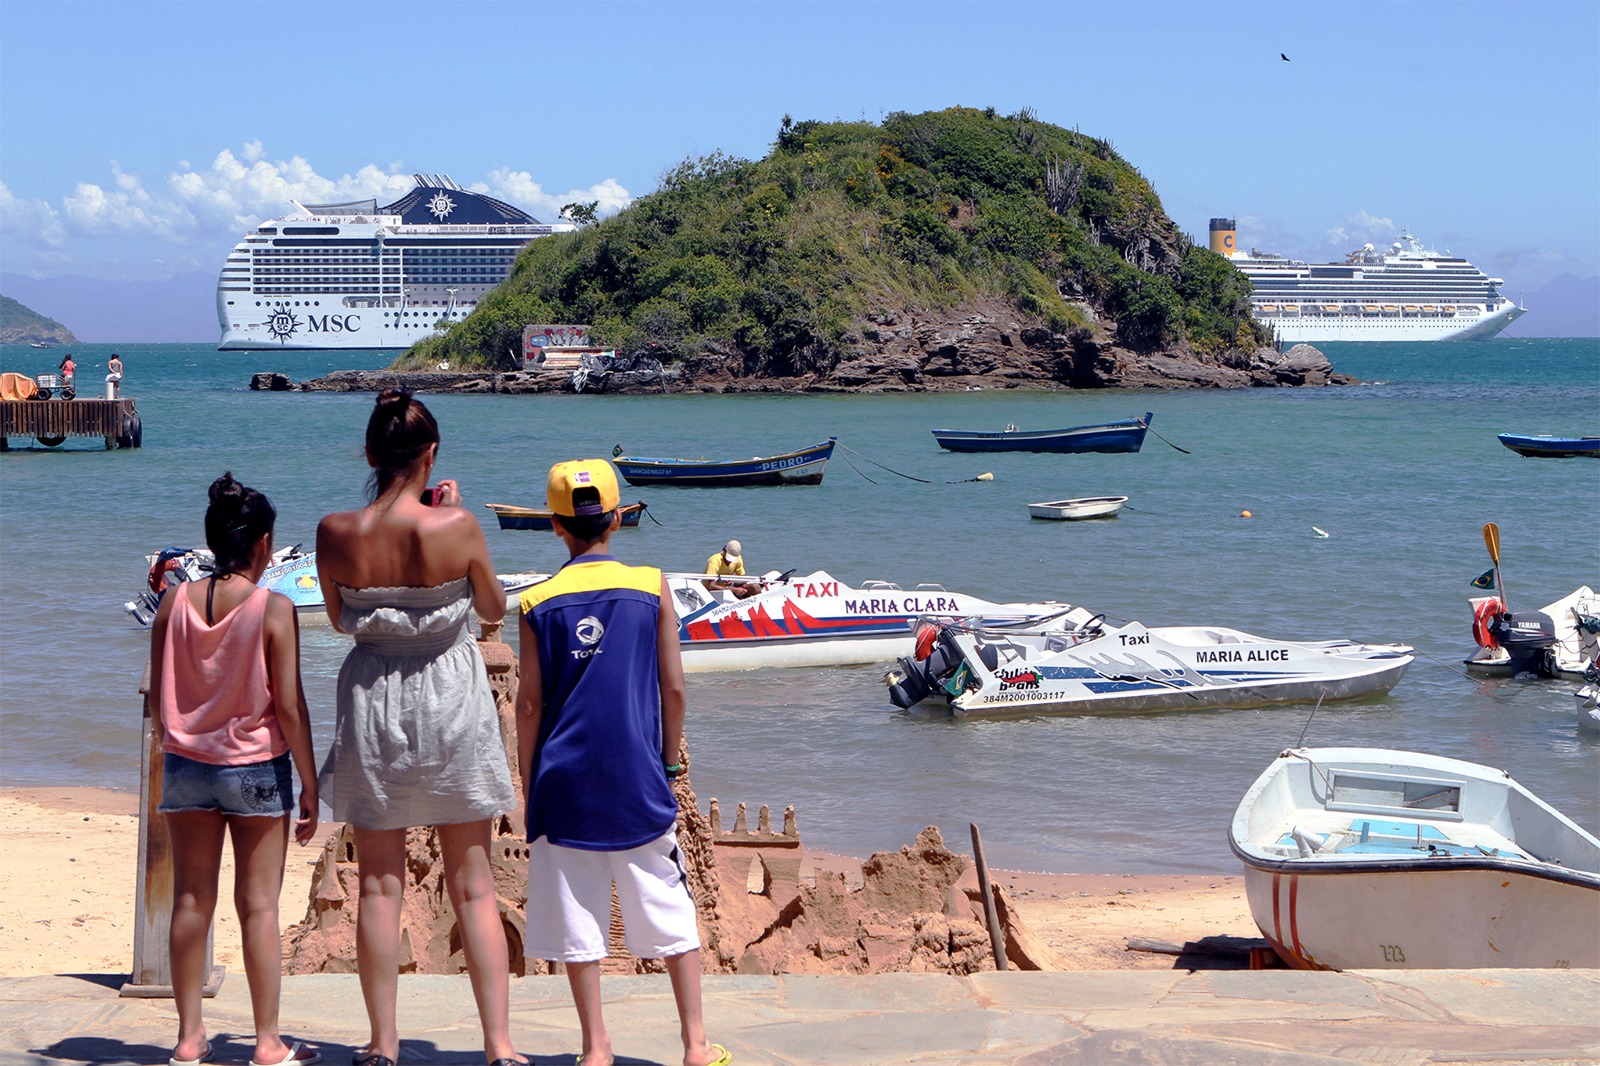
(1082, 507)
(1364, 858)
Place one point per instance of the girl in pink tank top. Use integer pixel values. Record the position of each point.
(234, 730)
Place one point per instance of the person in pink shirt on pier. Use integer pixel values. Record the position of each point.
(225, 677)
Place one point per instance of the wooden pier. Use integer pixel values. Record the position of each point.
(53, 421)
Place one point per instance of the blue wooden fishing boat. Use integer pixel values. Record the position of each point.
(538, 518)
(803, 467)
(1124, 436)
(1546, 447)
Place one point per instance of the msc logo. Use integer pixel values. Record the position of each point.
(441, 206)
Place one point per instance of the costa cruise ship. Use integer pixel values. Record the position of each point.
(356, 275)
(1407, 293)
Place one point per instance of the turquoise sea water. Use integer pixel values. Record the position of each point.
(1402, 473)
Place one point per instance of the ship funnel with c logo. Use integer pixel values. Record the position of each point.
(1224, 237)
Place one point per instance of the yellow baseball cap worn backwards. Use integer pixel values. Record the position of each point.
(566, 478)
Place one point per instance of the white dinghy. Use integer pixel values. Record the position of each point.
(1076, 663)
(1078, 508)
(1365, 858)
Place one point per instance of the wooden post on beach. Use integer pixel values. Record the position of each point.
(152, 903)
(997, 939)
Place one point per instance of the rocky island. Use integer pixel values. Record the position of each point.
(23, 325)
(944, 251)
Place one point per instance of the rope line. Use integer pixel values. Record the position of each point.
(1449, 666)
(897, 473)
(857, 469)
(892, 470)
(1162, 439)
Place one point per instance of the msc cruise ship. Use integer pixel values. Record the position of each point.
(1407, 293)
(356, 275)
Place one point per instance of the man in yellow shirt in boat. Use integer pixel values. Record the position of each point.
(730, 562)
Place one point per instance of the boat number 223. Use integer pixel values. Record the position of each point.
(1392, 953)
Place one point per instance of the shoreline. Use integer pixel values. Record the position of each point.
(73, 855)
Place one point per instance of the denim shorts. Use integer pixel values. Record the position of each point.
(258, 788)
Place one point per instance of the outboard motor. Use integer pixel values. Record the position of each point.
(1528, 638)
(918, 677)
(908, 686)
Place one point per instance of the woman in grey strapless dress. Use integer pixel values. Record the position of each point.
(417, 741)
(418, 736)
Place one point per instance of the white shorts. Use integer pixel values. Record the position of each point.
(569, 901)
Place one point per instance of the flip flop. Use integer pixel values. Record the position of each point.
(204, 1055)
(726, 1056)
(373, 1059)
(293, 1058)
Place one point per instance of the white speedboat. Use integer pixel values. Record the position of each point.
(1364, 858)
(293, 572)
(1560, 640)
(1079, 508)
(1078, 664)
(818, 620)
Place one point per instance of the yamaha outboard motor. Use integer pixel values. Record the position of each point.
(1527, 637)
(918, 678)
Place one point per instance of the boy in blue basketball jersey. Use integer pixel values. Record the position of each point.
(599, 726)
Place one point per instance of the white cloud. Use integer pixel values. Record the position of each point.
(1358, 229)
(518, 187)
(197, 214)
(30, 222)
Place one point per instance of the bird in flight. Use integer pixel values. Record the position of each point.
(1283, 57)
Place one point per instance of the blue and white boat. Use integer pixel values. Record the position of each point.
(1124, 436)
(1077, 663)
(803, 467)
(1543, 446)
(1365, 858)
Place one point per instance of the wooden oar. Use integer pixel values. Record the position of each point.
(1491, 540)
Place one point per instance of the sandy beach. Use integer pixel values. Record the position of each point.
(67, 905)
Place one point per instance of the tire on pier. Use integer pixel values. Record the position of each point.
(125, 438)
(138, 432)
(52, 442)
(69, 393)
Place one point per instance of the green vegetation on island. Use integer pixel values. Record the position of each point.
(780, 267)
(23, 325)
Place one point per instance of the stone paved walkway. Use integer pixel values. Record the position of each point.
(1547, 1017)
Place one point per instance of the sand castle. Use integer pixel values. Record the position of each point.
(763, 908)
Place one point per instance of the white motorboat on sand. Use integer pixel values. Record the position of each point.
(1365, 858)
(1076, 663)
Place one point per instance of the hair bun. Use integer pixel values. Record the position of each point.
(227, 490)
(392, 402)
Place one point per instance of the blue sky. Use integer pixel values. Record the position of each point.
(139, 139)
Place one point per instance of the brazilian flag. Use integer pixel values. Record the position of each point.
(1484, 580)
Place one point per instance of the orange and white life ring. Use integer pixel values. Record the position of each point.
(1485, 610)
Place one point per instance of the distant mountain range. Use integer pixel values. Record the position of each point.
(1567, 306)
(183, 308)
